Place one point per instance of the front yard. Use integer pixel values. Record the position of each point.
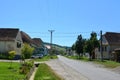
(14, 73)
(10, 74)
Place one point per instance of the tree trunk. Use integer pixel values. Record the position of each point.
(90, 56)
(93, 55)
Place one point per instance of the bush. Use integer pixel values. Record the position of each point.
(27, 51)
(4, 55)
(12, 54)
(25, 67)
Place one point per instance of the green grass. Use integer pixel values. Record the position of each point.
(10, 74)
(72, 57)
(44, 72)
(46, 58)
(108, 64)
(77, 58)
(105, 63)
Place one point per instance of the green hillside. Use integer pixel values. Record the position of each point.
(58, 47)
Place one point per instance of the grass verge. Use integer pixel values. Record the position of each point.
(46, 58)
(108, 64)
(77, 58)
(105, 63)
(44, 72)
(10, 74)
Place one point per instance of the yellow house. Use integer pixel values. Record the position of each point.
(10, 39)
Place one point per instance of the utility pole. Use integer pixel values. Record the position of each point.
(51, 31)
(101, 51)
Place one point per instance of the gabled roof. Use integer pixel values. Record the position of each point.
(112, 38)
(38, 42)
(8, 34)
(25, 37)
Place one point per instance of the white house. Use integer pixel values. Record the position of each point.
(110, 42)
(10, 39)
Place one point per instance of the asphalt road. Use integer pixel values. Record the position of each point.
(89, 70)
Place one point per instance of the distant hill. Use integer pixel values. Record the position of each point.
(59, 47)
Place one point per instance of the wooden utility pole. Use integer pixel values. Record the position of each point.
(101, 51)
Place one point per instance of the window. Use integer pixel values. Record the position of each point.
(18, 45)
(102, 48)
(105, 48)
(99, 49)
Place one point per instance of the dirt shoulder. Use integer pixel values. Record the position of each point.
(64, 71)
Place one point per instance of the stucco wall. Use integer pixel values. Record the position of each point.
(98, 54)
(18, 40)
(6, 46)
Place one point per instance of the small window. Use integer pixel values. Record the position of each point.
(18, 45)
(99, 49)
(102, 48)
(105, 48)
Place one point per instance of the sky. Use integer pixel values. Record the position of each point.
(69, 18)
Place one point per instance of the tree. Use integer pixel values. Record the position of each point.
(91, 44)
(11, 56)
(79, 45)
(27, 51)
(88, 48)
(73, 47)
(94, 42)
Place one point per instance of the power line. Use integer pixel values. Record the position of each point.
(66, 32)
(62, 34)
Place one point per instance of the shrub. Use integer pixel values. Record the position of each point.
(11, 56)
(25, 67)
(4, 55)
(27, 51)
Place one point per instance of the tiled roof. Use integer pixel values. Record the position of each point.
(8, 34)
(113, 38)
(37, 41)
(25, 37)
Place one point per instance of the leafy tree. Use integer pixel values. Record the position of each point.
(62, 52)
(88, 48)
(73, 47)
(11, 56)
(27, 51)
(91, 44)
(94, 42)
(79, 45)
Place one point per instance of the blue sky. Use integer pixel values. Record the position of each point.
(68, 18)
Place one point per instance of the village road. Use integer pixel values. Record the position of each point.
(78, 70)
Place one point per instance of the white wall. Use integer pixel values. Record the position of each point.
(18, 40)
(6, 46)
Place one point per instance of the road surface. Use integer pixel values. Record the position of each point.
(77, 70)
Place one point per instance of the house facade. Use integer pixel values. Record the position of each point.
(37, 43)
(39, 46)
(110, 42)
(10, 39)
